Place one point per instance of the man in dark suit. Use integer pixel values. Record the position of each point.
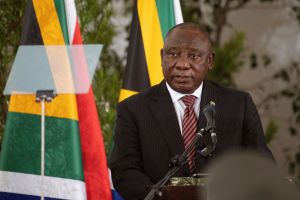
(155, 125)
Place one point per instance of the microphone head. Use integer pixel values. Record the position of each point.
(209, 113)
(209, 110)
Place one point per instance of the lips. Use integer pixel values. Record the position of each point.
(182, 79)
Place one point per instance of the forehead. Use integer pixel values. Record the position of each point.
(187, 38)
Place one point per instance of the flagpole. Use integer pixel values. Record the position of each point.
(43, 96)
(42, 145)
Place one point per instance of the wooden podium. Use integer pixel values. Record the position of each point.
(191, 192)
(185, 188)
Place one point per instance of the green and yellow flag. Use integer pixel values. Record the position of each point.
(151, 21)
(75, 161)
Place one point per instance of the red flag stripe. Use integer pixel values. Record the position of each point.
(93, 152)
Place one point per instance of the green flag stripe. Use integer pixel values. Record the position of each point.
(165, 10)
(61, 13)
(23, 140)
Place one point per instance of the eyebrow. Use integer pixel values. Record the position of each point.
(189, 49)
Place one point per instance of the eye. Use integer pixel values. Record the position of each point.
(173, 53)
(194, 56)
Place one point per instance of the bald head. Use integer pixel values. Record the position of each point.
(189, 26)
(247, 176)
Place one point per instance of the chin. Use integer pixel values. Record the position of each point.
(184, 90)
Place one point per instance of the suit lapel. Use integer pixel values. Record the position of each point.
(164, 112)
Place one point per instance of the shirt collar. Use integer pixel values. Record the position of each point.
(177, 95)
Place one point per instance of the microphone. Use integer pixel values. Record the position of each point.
(209, 113)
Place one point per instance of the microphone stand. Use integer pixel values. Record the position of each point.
(175, 165)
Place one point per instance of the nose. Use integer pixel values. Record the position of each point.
(182, 62)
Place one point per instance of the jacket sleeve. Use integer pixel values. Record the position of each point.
(253, 137)
(126, 162)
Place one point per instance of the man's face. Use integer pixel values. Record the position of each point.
(186, 59)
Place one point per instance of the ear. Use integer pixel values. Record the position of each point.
(161, 55)
(211, 58)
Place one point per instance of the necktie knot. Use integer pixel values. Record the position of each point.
(188, 100)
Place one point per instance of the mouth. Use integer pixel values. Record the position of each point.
(182, 79)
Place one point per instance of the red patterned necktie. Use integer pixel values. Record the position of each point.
(189, 127)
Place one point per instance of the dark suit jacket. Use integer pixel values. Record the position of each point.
(147, 134)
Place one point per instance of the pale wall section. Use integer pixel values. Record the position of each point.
(270, 29)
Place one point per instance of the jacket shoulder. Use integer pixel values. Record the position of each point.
(227, 91)
(142, 97)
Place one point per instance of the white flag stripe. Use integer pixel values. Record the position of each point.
(177, 12)
(71, 18)
(110, 180)
(30, 184)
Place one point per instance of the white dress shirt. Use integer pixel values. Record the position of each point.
(180, 106)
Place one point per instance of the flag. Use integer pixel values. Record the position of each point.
(93, 152)
(75, 161)
(97, 181)
(151, 21)
(20, 159)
